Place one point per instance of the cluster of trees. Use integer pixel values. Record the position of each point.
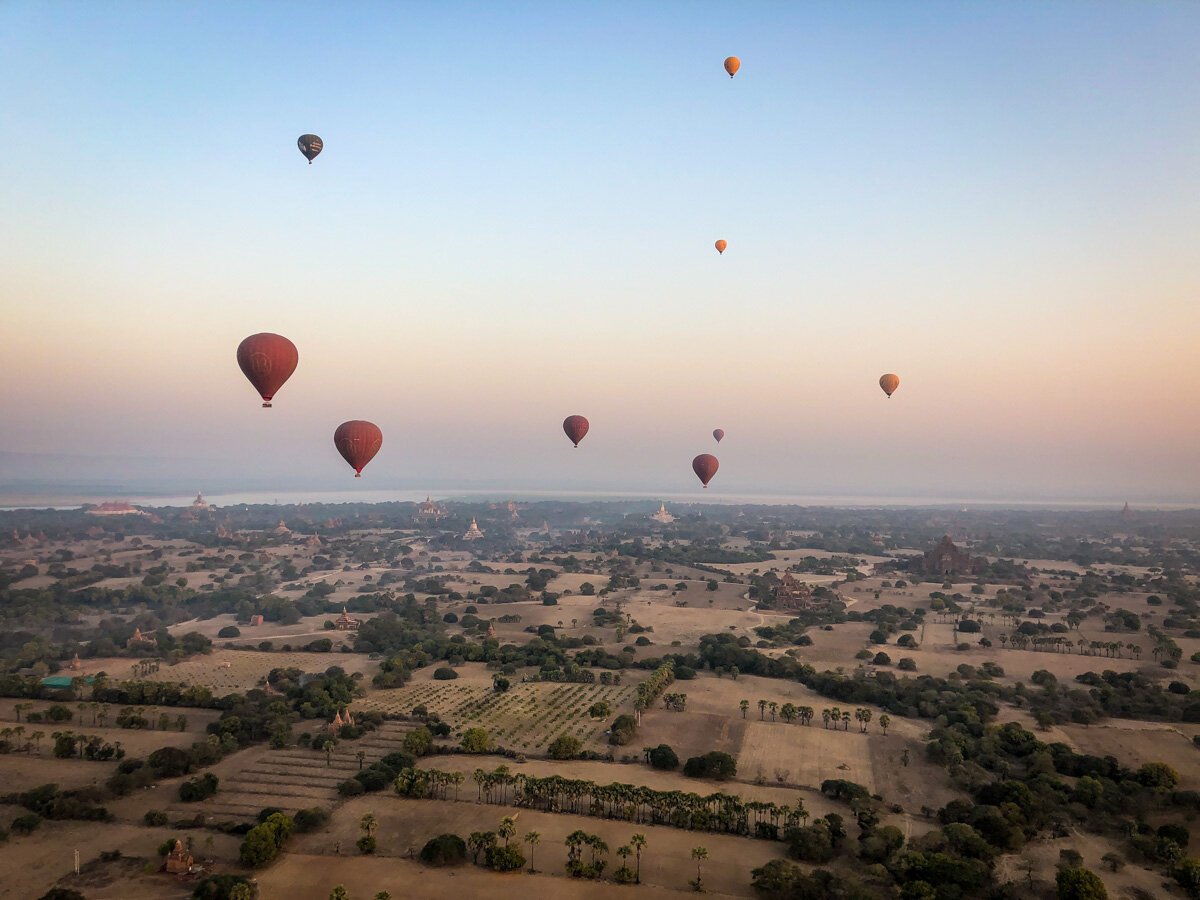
(718, 812)
(264, 841)
(47, 801)
(201, 788)
(67, 744)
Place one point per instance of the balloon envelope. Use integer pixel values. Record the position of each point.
(889, 383)
(310, 145)
(721, 245)
(705, 466)
(575, 427)
(732, 64)
(358, 442)
(719, 433)
(268, 360)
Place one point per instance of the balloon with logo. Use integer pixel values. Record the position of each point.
(267, 360)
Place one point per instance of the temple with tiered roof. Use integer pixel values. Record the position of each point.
(662, 515)
(473, 533)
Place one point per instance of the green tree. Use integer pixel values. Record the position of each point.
(744, 705)
(565, 746)
(418, 741)
(638, 841)
(339, 893)
(699, 854)
(1080, 884)
(532, 839)
(476, 740)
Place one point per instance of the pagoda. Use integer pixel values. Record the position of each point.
(512, 510)
(179, 861)
(346, 622)
(139, 638)
(473, 533)
(662, 515)
(491, 632)
(1126, 512)
(200, 504)
(430, 510)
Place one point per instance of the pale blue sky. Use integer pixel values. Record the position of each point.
(513, 221)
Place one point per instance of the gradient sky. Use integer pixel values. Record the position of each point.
(513, 221)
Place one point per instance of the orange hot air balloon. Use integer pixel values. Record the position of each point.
(358, 442)
(721, 245)
(719, 433)
(268, 360)
(732, 64)
(889, 383)
(705, 466)
(575, 427)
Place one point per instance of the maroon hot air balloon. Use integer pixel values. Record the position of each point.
(358, 442)
(705, 466)
(268, 360)
(718, 433)
(575, 427)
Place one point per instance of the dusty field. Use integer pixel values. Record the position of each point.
(307, 629)
(666, 861)
(230, 671)
(527, 717)
(306, 877)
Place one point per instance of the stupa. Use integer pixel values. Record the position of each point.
(473, 533)
(662, 515)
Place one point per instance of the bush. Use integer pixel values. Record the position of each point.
(365, 844)
(350, 788)
(25, 824)
(311, 819)
(564, 746)
(418, 741)
(444, 850)
(504, 859)
(217, 887)
(201, 788)
(907, 664)
(229, 631)
(713, 764)
(445, 673)
(476, 740)
(622, 730)
(154, 818)
(663, 757)
(684, 673)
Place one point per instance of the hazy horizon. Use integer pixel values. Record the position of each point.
(513, 218)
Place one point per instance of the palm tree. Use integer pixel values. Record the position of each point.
(846, 720)
(639, 842)
(362, 755)
(36, 737)
(699, 854)
(328, 748)
(744, 705)
(532, 839)
(623, 852)
(507, 829)
(774, 709)
(368, 824)
(826, 715)
(884, 721)
(788, 712)
(762, 709)
(21, 707)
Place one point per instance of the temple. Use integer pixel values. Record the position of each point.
(792, 594)
(346, 622)
(116, 508)
(946, 559)
(430, 511)
(662, 515)
(1126, 512)
(200, 504)
(138, 638)
(473, 533)
(179, 861)
(339, 720)
(512, 510)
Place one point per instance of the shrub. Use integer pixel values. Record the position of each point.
(365, 844)
(25, 824)
(476, 740)
(217, 887)
(154, 818)
(713, 764)
(195, 789)
(229, 631)
(565, 746)
(418, 741)
(663, 757)
(444, 850)
(907, 664)
(445, 673)
(622, 730)
(311, 819)
(504, 859)
(350, 788)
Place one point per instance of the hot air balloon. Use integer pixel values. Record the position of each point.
(310, 145)
(889, 383)
(358, 442)
(268, 360)
(721, 245)
(718, 433)
(732, 64)
(575, 427)
(705, 466)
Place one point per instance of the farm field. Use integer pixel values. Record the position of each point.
(527, 717)
(228, 671)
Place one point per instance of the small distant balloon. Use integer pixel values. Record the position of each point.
(889, 383)
(721, 245)
(310, 145)
(267, 360)
(358, 442)
(705, 466)
(732, 64)
(575, 427)
(718, 433)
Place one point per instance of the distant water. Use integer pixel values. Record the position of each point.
(287, 498)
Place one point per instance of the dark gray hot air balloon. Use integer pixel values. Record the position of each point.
(310, 145)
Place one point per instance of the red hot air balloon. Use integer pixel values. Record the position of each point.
(575, 427)
(358, 442)
(705, 466)
(719, 433)
(268, 360)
